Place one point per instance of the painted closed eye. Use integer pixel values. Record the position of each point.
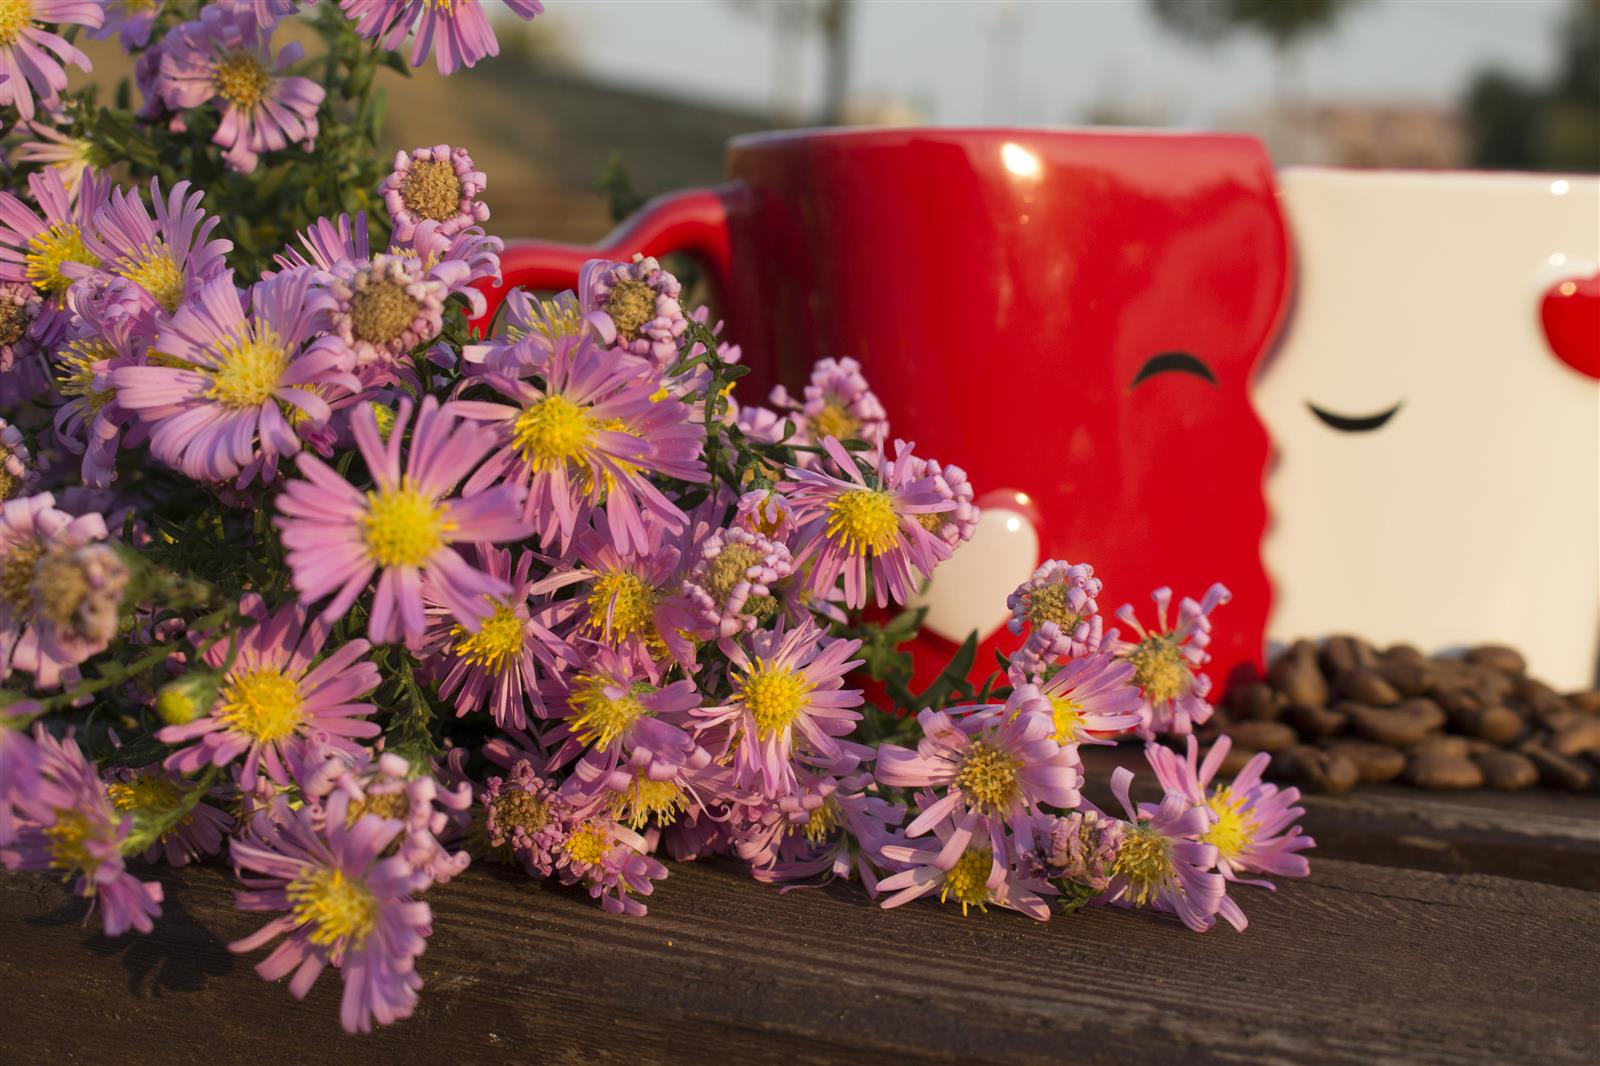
(1353, 423)
(1169, 362)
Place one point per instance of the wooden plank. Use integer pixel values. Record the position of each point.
(1361, 964)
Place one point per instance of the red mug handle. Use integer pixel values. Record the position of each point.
(694, 221)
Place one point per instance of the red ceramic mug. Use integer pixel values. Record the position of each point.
(1073, 317)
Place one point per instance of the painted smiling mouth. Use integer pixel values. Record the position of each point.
(1354, 423)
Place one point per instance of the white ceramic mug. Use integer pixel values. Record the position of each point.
(1438, 469)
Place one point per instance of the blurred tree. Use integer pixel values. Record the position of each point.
(792, 20)
(1551, 127)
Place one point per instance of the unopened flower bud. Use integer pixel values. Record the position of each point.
(183, 699)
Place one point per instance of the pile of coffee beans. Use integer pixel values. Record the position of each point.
(1344, 712)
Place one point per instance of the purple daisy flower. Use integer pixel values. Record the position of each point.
(613, 861)
(69, 826)
(276, 695)
(50, 252)
(1081, 847)
(343, 903)
(235, 386)
(499, 667)
(838, 403)
(153, 793)
(767, 512)
(1162, 863)
(328, 243)
(385, 306)
(1058, 606)
(847, 521)
(620, 719)
(20, 342)
(170, 257)
(524, 814)
(634, 306)
(60, 589)
(224, 58)
(838, 827)
(595, 430)
(788, 704)
(729, 585)
(1253, 822)
(440, 185)
(969, 872)
(31, 55)
(996, 765)
(464, 31)
(17, 472)
(955, 526)
(1166, 662)
(130, 21)
(113, 327)
(404, 529)
(68, 156)
(1091, 699)
(461, 260)
(19, 762)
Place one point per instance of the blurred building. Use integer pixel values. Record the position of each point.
(1422, 136)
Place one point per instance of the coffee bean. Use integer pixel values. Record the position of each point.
(1588, 701)
(1498, 725)
(1375, 762)
(1366, 686)
(1560, 716)
(1493, 685)
(1532, 690)
(1425, 709)
(1342, 654)
(1317, 722)
(1506, 770)
(1507, 660)
(1439, 744)
(1558, 771)
(1299, 679)
(1411, 677)
(1576, 738)
(1258, 702)
(1396, 727)
(1316, 770)
(1261, 736)
(1458, 701)
(1443, 773)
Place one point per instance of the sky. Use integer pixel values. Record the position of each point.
(1049, 61)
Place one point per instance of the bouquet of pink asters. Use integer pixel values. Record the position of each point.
(302, 569)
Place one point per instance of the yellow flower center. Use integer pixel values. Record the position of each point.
(763, 525)
(1145, 859)
(1160, 669)
(68, 842)
(157, 273)
(834, 421)
(988, 776)
(663, 800)
(249, 367)
(403, 527)
(775, 696)
(730, 567)
(75, 371)
(1049, 604)
(381, 311)
(631, 304)
(15, 16)
(518, 809)
(148, 793)
(16, 576)
(588, 843)
(396, 805)
(13, 322)
(496, 644)
(553, 432)
(262, 703)
(559, 319)
(598, 718)
(242, 79)
(431, 190)
(59, 587)
(621, 605)
(823, 821)
(1068, 718)
(1234, 829)
(864, 522)
(48, 250)
(968, 880)
(339, 911)
(10, 484)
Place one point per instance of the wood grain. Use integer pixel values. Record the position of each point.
(1361, 964)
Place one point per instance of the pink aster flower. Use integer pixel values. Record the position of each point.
(235, 386)
(634, 306)
(17, 472)
(68, 156)
(154, 793)
(464, 30)
(729, 587)
(404, 529)
(113, 326)
(965, 871)
(955, 526)
(19, 762)
(1057, 605)
(595, 430)
(788, 705)
(1081, 847)
(440, 185)
(524, 814)
(613, 861)
(837, 403)
(49, 251)
(1252, 821)
(327, 243)
(20, 339)
(342, 902)
(462, 259)
(848, 521)
(1091, 699)
(1167, 662)
(60, 589)
(130, 21)
(996, 764)
(224, 59)
(68, 826)
(497, 668)
(277, 694)
(623, 723)
(170, 257)
(1163, 864)
(31, 55)
(385, 306)
(767, 512)
(837, 827)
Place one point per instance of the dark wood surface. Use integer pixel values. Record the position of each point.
(1403, 956)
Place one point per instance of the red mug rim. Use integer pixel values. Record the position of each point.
(869, 134)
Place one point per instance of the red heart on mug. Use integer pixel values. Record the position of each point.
(1571, 316)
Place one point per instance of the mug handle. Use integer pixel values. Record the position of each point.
(693, 220)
